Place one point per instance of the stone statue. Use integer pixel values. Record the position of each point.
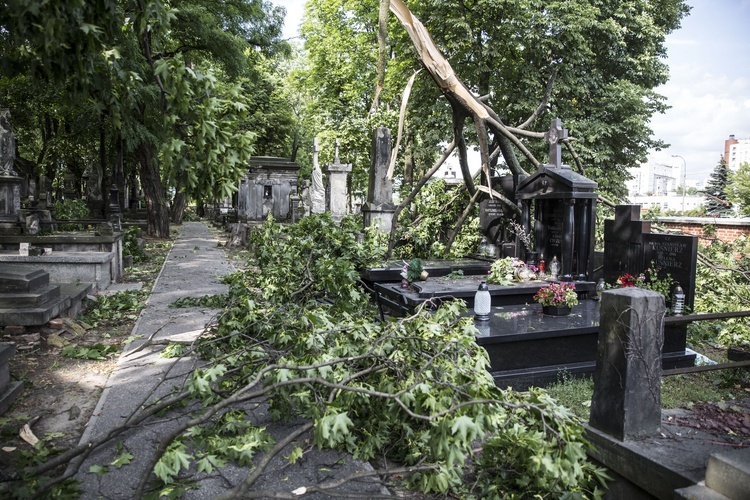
(7, 145)
(318, 191)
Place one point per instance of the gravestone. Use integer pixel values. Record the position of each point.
(626, 402)
(268, 186)
(623, 242)
(44, 192)
(631, 247)
(10, 181)
(69, 186)
(379, 208)
(317, 189)
(243, 196)
(676, 256)
(94, 193)
(494, 214)
(564, 207)
(336, 189)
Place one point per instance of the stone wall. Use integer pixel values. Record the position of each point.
(727, 230)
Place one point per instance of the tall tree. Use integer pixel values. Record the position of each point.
(594, 64)
(739, 188)
(717, 199)
(155, 76)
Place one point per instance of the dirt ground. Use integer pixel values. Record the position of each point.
(60, 393)
(60, 390)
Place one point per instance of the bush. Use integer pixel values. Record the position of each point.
(131, 245)
(70, 209)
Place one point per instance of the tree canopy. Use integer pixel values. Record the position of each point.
(159, 88)
(593, 64)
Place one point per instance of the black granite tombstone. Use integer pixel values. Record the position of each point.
(564, 208)
(623, 242)
(495, 214)
(676, 256)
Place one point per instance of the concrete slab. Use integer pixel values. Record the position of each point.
(674, 458)
(728, 472)
(121, 287)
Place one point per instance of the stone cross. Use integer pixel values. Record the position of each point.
(555, 136)
(336, 154)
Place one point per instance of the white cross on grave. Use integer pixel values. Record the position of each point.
(555, 136)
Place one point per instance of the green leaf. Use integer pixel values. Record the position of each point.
(123, 459)
(99, 470)
(295, 455)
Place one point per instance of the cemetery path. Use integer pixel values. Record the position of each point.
(192, 269)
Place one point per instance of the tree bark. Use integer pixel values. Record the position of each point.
(178, 207)
(153, 192)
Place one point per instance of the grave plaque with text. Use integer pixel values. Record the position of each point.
(676, 255)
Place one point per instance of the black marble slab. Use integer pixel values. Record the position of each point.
(527, 347)
(391, 270)
(444, 288)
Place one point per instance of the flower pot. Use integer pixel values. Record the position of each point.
(556, 310)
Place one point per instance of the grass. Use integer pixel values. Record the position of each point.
(676, 390)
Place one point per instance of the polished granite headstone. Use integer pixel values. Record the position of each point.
(626, 403)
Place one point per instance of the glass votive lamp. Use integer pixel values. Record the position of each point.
(482, 303)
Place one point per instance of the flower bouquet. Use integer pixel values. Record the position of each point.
(503, 271)
(557, 298)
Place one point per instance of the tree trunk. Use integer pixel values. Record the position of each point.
(153, 191)
(178, 206)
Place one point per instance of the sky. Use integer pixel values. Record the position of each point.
(708, 90)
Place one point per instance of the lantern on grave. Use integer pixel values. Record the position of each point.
(678, 300)
(482, 303)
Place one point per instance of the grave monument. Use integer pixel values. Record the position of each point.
(317, 188)
(336, 188)
(564, 208)
(10, 181)
(267, 188)
(379, 208)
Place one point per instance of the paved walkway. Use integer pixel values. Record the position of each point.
(192, 269)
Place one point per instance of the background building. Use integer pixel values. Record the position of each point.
(736, 152)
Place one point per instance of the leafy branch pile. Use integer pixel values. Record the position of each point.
(723, 284)
(299, 335)
(416, 390)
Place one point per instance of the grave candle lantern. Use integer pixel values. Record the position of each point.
(482, 303)
(678, 300)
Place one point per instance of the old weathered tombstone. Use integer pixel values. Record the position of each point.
(336, 190)
(317, 189)
(266, 189)
(44, 192)
(94, 193)
(243, 197)
(626, 403)
(305, 198)
(69, 186)
(564, 211)
(32, 225)
(10, 181)
(379, 208)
